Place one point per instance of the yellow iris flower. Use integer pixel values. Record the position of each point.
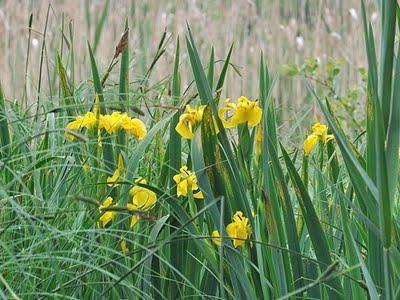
(117, 121)
(239, 230)
(187, 181)
(107, 216)
(189, 121)
(319, 133)
(110, 123)
(245, 111)
(87, 121)
(142, 199)
(118, 173)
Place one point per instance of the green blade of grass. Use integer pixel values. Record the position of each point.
(108, 151)
(124, 84)
(67, 96)
(210, 74)
(387, 54)
(4, 130)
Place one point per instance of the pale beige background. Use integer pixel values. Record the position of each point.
(284, 29)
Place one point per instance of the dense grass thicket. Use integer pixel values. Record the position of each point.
(105, 196)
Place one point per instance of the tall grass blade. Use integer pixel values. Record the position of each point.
(108, 151)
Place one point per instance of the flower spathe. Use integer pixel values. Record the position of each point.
(245, 111)
(186, 181)
(189, 121)
(319, 133)
(107, 216)
(142, 199)
(239, 230)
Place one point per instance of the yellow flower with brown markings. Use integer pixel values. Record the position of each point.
(245, 111)
(110, 123)
(239, 230)
(187, 181)
(189, 121)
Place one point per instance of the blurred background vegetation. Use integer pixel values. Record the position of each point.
(288, 32)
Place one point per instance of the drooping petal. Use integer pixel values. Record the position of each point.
(113, 180)
(134, 220)
(136, 128)
(199, 195)
(309, 143)
(183, 127)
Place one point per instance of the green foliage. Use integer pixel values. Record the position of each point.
(318, 225)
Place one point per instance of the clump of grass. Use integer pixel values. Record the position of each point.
(207, 202)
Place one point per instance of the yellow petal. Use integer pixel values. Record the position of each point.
(144, 199)
(309, 143)
(185, 126)
(216, 238)
(225, 122)
(113, 180)
(106, 203)
(254, 116)
(319, 129)
(199, 195)
(106, 218)
(136, 128)
(131, 207)
(182, 188)
(134, 220)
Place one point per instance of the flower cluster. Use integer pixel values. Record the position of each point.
(238, 230)
(110, 123)
(143, 200)
(245, 111)
(319, 133)
(187, 182)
